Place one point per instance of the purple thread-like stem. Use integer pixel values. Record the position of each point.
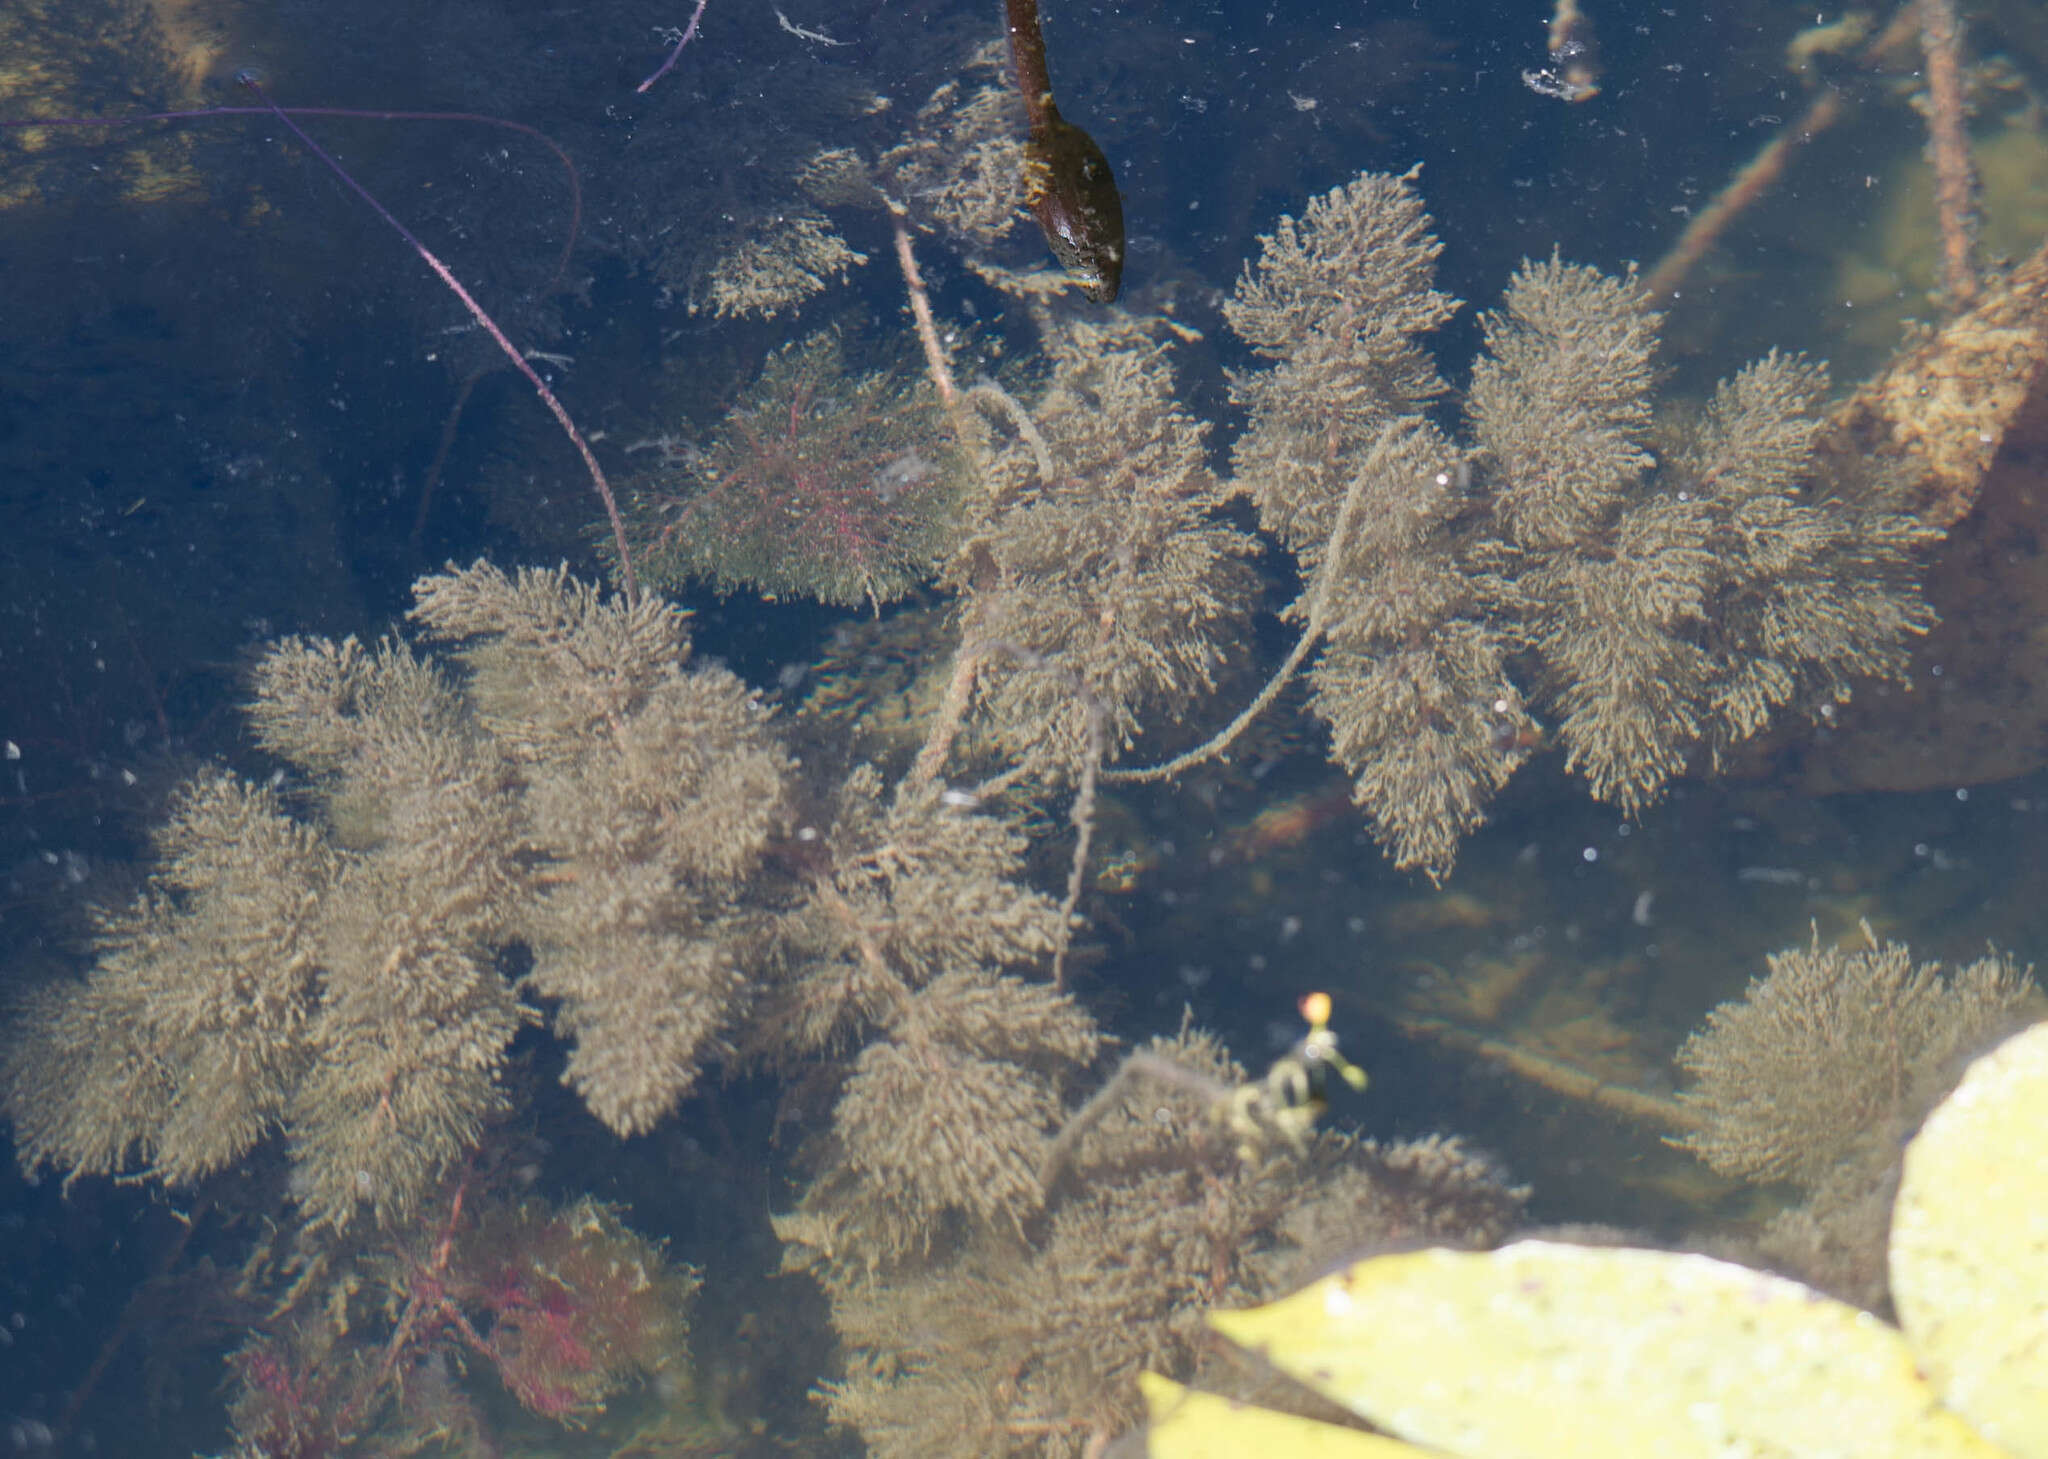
(490, 327)
(689, 34)
(441, 270)
(288, 112)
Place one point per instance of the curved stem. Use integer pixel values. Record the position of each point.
(575, 179)
(1222, 740)
(441, 271)
(1318, 608)
(987, 393)
(689, 34)
(490, 327)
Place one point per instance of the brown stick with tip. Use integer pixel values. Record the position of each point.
(1948, 145)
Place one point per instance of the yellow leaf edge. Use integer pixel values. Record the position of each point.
(1969, 1244)
(1188, 1424)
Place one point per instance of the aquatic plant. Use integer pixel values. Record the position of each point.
(1550, 1348)
(956, 170)
(1664, 606)
(908, 947)
(1663, 595)
(1838, 1052)
(561, 785)
(585, 795)
(819, 483)
(1350, 474)
(379, 1347)
(570, 1304)
(1817, 1075)
(581, 792)
(961, 167)
(645, 793)
(1027, 1338)
(548, 776)
(777, 265)
(194, 1041)
(1103, 594)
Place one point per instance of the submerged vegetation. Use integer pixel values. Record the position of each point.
(1663, 594)
(822, 484)
(1544, 1347)
(534, 833)
(1821, 1072)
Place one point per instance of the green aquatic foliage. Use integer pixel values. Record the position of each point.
(583, 792)
(1348, 471)
(1817, 1075)
(1837, 1053)
(1544, 1348)
(908, 947)
(1660, 586)
(1661, 604)
(645, 793)
(1028, 1338)
(548, 779)
(186, 1046)
(775, 264)
(336, 985)
(960, 168)
(1674, 604)
(1102, 590)
(819, 483)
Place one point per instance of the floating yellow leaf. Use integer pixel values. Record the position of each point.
(1541, 1350)
(1190, 1425)
(1969, 1246)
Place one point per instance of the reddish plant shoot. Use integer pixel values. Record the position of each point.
(569, 1305)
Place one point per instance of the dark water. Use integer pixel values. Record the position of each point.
(234, 405)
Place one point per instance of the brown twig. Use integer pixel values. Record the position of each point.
(1664, 1115)
(1948, 140)
(1762, 172)
(921, 311)
(946, 723)
(449, 426)
(426, 1301)
(1757, 177)
(1082, 814)
(675, 55)
(1082, 818)
(490, 326)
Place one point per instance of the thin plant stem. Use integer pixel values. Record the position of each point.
(490, 327)
(627, 577)
(1756, 177)
(1081, 816)
(1139, 1064)
(689, 34)
(952, 712)
(993, 399)
(1955, 179)
(1767, 168)
(1316, 615)
(575, 180)
(921, 310)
